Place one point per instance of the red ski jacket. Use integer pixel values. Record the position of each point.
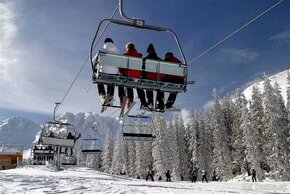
(131, 72)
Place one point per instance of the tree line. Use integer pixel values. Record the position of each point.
(231, 138)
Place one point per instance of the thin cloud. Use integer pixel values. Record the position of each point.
(8, 32)
(240, 55)
(8, 28)
(283, 37)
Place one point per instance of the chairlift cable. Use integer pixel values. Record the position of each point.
(86, 59)
(236, 31)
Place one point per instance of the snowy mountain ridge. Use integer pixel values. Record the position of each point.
(279, 78)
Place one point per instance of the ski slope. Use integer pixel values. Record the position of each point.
(42, 179)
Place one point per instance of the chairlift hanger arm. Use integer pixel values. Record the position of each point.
(57, 104)
(136, 24)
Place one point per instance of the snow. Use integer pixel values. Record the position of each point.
(43, 179)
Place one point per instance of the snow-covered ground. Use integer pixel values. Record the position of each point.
(42, 179)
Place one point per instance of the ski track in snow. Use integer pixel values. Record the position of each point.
(80, 180)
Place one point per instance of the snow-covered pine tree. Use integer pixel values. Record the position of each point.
(93, 161)
(175, 160)
(227, 106)
(170, 149)
(206, 144)
(193, 128)
(188, 144)
(158, 146)
(238, 152)
(118, 160)
(180, 164)
(283, 134)
(107, 154)
(274, 120)
(200, 146)
(221, 153)
(256, 119)
(252, 148)
(143, 155)
(184, 151)
(131, 158)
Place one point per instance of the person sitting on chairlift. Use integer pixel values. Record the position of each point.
(130, 51)
(70, 136)
(108, 97)
(51, 134)
(151, 54)
(172, 78)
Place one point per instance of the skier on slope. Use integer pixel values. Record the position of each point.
(168, 175)
(203, 176)
(254, 179)
(150, 173)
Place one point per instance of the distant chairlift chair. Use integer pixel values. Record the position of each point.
(91, 146)
(137, 136)
(55, 134)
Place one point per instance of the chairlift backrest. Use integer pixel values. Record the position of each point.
(164, 67)
(120, 61)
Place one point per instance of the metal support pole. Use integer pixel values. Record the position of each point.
(58, 159)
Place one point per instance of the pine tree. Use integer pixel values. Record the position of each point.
(238, 152)
(221, 152)
(131, 160)
(158, 146)
(275, 130)
(256, 119)
(107, 153)
(206, 147)
(252, 147)
(180, 166)
(170, 148)
(118, 161)
(282, 135)
(193, 127)
(143, 154)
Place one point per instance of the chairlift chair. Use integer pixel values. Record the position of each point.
(54, 133)
(91, 146)
(127, 129)
(41, 153)
(129, 62)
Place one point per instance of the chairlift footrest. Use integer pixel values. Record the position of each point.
(138, 136)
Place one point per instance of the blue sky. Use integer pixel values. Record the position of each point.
(43, 45)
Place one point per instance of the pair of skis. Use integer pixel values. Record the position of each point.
(123, 113)
(108, 104)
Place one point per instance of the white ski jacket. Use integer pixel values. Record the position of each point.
(109, 48)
